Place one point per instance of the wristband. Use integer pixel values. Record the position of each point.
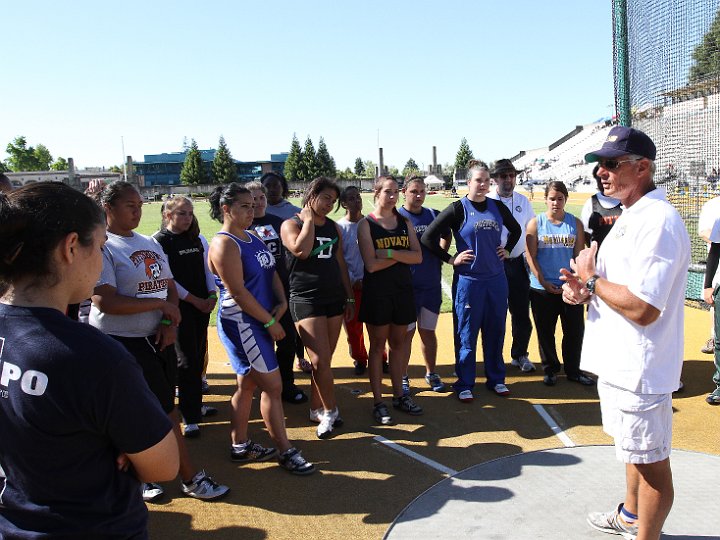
(166, 322)
(389, 254)
(269, 323)
(212, 296)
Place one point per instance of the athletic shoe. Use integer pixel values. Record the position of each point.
(382, 414)
(550, 379)
(207, 410)
(152, 492)
(292, 460)
(582, 379)
(713, 398)
(435, 382)
(612, 523)
(293, 394)
(316, 417)
(523, 363)
(205, 388)
(406, 404)
(709, 347)
(203, 487)
(466, 396)
(501, 390)
(360, 367)
(251, 452)
(327, 423)
(192, 431)
(304, 365)
(406, 385)
(386, 367)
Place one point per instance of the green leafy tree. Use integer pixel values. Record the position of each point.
(60, 164)
(293, 161)
(192, 172)
(359, 167)
(3, 168)
(21, 156)
(347, 174)
(325, 162)
(706, 55)
(309, 167)
(116, 169)
(393, 170)
(370, 167)
(43, 157)
(410, 168)
(223, 167)
(464, 154)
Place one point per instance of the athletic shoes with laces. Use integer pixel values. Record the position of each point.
(582, 379)
(406, 385)
(501, 390)
(207, 410)
(360, 367)
(523, 363)
(251, 452)
(612, 523)
(709, 347)
(328, 421)
(292, 460)
(406, 404)
(713, 398)
(205, 388)
(382, 414)
(152, 492)
(203, 487)
(466, 396)
(317, 414)
(192, 431)
(435, 382)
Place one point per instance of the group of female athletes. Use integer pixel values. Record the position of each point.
(72, 394)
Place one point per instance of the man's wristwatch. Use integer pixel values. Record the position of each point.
(590, 283)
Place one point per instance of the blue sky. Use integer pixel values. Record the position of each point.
(507, 75)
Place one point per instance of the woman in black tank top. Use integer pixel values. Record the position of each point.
(320, 292)
(388, 246)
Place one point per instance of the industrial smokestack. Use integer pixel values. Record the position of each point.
(434, 165)
(381, 165)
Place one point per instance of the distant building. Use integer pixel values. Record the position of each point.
(164, 169)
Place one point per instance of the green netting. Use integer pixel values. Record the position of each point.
(667, 78)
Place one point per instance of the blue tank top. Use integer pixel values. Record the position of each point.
(425, 275)
(555, 248)
(480, 232)
(258, 271)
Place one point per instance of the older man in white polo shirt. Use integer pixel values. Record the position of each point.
(634, 334)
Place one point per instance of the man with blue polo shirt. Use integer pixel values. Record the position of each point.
(634, 333)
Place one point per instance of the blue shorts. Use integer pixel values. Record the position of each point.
(248, 345)
(430, 299)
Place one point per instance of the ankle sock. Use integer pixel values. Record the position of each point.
(627, 517)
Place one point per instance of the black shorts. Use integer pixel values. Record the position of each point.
(159, 367)
(300, 310)
(379, 310)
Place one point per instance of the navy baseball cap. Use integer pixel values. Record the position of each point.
(622, 141)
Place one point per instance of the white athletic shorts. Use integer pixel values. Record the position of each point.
(641, 424)
(426, 320)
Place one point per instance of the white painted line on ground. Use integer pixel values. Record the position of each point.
(422, 459)
(446, 288)
(550, 421)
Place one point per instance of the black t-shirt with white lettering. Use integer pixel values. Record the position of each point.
(71, 400)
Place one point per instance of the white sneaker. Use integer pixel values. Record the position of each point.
(466, 396)
(317, 414)
(501, 390)
(152, 492)
(192, 431)
(327, 423)
(523, 363)
(203, 487)
(207, 410)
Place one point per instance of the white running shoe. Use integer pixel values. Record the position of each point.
(327, 423)
(152, 492)
(203, 487)
(523, 363)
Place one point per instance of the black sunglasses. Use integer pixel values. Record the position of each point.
(612, 164)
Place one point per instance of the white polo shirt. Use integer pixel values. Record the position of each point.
(648, 250)
(522, 211)
(709, 219)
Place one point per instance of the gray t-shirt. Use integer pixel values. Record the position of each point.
(137, 267)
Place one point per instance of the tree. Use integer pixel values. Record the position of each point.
(464, 154)
(359, 167)
(410, 168)
(192, 172)
(370, 169)
(3, 168)
(293, 161)
(706, 55)
(116, 169)
(309, 167)
(347, 174)
(223, 167)
(60, 164)
(325, 162)
(43, 157)
(21, 156)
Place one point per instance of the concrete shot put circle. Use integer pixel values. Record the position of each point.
(548, 494)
